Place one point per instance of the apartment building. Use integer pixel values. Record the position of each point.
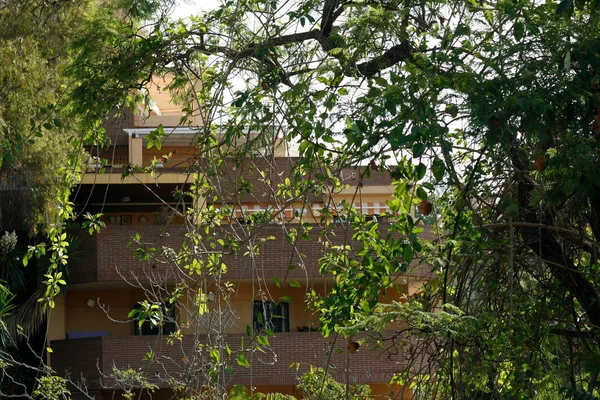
(92, 331)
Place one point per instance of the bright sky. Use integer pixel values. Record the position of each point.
(191, 7)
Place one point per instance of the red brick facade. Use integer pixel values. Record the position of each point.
(94, 357)
(107, 256)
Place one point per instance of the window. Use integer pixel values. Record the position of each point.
(159, 323)
(257, 217)
(372, 217)
(376, 218)
(270, 315)
(339, 220)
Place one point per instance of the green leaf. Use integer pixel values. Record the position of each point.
(421, 193)
(519, 30)
(294, 283)
(452, 110)
(263, 340)
(364, 304)
(407, 253)
(512, 210)
(242, 361)
(381, 81)
(214, 355)
(438, 168)
(462, 30)
(418, 150)
(26, 258)
(565, 6)
(536, 198)
(269, 332)
(420, 171)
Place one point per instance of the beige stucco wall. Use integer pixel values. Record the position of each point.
(170, 112)
(241, 302)
(180, 156)
(112, 307)
(117, 303)
(56, 319)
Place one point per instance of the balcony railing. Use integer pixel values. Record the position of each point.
(107, 257)
(288, 356)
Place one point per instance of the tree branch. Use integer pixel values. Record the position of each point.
(544, 244)
(389, 58)
(329, 16)
(252, 48)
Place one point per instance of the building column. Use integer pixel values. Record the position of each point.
(56, 323)
(135, 150)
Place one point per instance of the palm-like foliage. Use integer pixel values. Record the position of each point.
(6, 308)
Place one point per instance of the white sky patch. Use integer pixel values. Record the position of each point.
(185, 8)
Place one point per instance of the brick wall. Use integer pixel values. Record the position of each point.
(83, 263)
(78, 358)
(181, 360)
(352, 176)
(118, 150)
(276, 170)
(106, 256)
(115, 127)
(114, 155)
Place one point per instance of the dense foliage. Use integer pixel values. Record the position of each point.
(488, 110)
(36, 147)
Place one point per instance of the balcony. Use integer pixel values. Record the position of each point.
(94, 359)
(106, 256)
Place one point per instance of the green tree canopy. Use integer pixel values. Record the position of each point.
(36, 146)
(490, 111)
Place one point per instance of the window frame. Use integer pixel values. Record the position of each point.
(274, 322)
(169, 324)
